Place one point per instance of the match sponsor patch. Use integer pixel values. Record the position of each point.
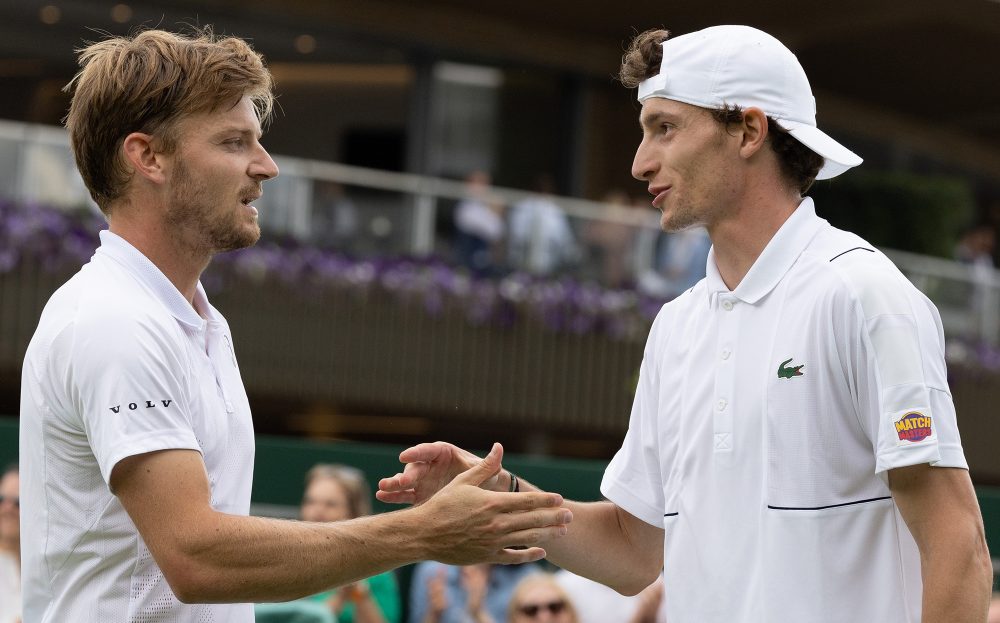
(913, 427)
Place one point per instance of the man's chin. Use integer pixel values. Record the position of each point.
(676, 222)
(241, 239)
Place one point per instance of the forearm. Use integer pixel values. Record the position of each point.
(940, 509)
(957, 585)
(603, 544)
(234, 559)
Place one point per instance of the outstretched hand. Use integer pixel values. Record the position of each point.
(465, 524)
(428, 468)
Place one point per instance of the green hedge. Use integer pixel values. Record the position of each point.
(905, 211)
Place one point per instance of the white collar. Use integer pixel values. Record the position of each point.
(778, 256)
(146, 272)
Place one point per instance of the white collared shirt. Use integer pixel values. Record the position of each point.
(763, 424)
(121, 364)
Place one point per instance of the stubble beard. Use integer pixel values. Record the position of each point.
(200, 226)
(684, 216)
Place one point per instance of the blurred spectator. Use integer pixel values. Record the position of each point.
(976, 246)
(597, 603)
(479, 225)
(10, 546)
(335, 217)
(338, 493)
(611, 242)
(679, 262)
(540, 238)
(539, 598)
(442, 593)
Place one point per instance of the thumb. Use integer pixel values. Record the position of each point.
(485, 469)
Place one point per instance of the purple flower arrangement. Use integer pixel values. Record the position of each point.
(50, 237)
(559, 304)
(58, 240)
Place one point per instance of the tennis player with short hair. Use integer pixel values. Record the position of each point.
(792, 453)
(137, 442)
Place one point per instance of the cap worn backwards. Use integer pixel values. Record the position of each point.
(738, 65)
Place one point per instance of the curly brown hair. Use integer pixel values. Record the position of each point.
(798, 163)
(147, 83)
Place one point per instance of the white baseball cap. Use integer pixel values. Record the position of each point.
(739, 65)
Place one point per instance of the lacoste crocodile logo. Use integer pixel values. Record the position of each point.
(788, 372)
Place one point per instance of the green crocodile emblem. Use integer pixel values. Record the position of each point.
(788, 372)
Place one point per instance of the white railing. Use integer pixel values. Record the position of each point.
(367, 211)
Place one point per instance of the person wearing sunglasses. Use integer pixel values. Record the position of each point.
(539, 597)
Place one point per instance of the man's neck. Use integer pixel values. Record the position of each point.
(180, 265)
(740, 238)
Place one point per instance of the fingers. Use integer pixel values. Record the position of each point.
(395, 497)
(519, 502)
(410, 475)
(425, 452)
(557, 518)
(484, 470)
(390, 484)
(519, 556)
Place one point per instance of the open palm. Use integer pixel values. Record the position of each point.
(429, 467)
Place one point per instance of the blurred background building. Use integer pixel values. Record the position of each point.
(455, 248)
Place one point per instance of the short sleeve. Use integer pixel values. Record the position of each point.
(126, 376)
(903, 396)
(633, 479)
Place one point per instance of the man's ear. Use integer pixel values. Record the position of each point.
(139, 151)
(754, 131)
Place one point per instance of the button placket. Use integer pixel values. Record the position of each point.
(217, 355)
(725, 382)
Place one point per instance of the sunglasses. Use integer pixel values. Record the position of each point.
(532, 610)
(13, 500)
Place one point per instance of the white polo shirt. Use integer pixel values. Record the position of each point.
(763, 425)
(120, 365)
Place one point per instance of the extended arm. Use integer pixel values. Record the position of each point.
(940, 508)
(209, 556)
(604, 543)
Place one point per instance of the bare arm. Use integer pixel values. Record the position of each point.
(604, 543)
(208, 556)
(940, 508)
(608, 545)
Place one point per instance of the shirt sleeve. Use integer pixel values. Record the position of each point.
(127, 376)
(633, 479)
(903, 397)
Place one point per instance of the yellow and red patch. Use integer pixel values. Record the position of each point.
(913, 426)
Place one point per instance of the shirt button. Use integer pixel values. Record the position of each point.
(727, 305)
(726, 353)
(721, 405)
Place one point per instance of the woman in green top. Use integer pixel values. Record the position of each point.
(336, 493)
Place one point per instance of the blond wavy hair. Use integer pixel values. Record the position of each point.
(147, 83)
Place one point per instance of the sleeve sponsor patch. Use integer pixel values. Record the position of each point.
(913, 427)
